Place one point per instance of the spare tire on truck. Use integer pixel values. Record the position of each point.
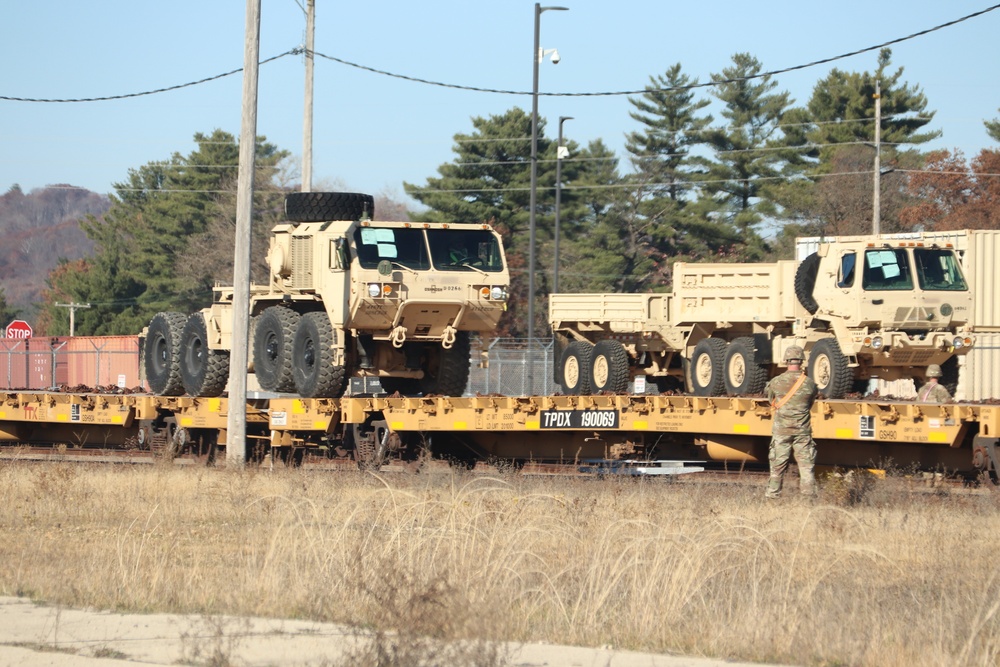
(805, 282)
(323, 206)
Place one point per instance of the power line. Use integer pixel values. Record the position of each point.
(785, 70)
(147, 92)
(298, 50)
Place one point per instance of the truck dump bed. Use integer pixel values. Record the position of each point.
(702, 293)
(610, 312)
(733, 292)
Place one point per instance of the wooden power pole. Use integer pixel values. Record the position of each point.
(236, 425)
(877, 196)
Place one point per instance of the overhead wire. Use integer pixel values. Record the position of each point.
(691, 86)
(299, 50)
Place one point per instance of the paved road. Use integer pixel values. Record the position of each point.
(42, 636)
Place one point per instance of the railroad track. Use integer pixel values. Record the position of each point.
(847, 482)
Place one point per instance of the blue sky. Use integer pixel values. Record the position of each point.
(372, 132)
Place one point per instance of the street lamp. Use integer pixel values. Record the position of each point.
(536, 57)
(561, 152)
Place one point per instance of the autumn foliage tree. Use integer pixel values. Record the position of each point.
(953, 194)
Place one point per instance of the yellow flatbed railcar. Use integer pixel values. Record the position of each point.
(956, 437)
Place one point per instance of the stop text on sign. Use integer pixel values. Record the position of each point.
(18, 329)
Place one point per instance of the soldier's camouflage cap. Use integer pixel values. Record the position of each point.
(795, 353)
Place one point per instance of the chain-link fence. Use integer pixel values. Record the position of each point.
(515, 368)
(93, 361)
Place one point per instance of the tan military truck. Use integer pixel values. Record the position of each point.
(348, 296)
(861, 309)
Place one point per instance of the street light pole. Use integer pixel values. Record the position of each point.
(559, 157)
(536, 58)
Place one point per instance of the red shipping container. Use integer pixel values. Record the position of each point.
(31, 363)
(99, 361)
(14, 363)
(92, 361)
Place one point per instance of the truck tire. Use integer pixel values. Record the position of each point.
(828, 369)
(742, 375)
(609, 368)
(949, 375)
(313, 370)
(323, 206)
(575, 364)
(705, 376)
(204, 372)
(272, 349)
(447, 371)
(162, 354)
(805, 282)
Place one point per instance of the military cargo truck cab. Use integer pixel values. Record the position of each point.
(348, 296)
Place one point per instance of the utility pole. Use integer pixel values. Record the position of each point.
(236, 423)
(72, 314)
(561, 152)
(307, 123)
(877, 196)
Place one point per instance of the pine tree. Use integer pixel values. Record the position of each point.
(139, 263)
(993, 128)
(7, 313)
(489, 181)
(838, 130)
(750, 152)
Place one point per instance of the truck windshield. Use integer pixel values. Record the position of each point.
(465, 250)
(938, 270)
(400, 246)
(887, 269)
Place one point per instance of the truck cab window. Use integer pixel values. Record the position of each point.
(402, 246)
(938, 270)
(453, 250)
(847, 262)
(887, 269)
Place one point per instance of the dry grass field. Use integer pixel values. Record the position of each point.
(876, 572)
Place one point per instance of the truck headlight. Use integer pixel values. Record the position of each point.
(958, 342)
(498, 293)
(874, 342)
(374, 290)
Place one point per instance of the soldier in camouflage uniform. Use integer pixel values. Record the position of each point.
(791, 395)
(932, 392)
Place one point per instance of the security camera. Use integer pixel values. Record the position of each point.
(555, 57)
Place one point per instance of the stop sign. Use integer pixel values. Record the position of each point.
(18, 329)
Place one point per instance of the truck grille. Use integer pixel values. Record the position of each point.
(911, 357)
(302, 264)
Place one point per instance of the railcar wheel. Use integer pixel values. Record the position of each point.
(742, 374)
(576, 368)
(272, 349)
(204, 372)
(609, 367)
(370, 442)
(828, 369)
(705, 376)
(162, 353)
(314, 372)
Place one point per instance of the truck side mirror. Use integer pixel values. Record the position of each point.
(338, 254)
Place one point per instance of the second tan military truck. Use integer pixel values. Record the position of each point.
(861, 309)
(348, 296)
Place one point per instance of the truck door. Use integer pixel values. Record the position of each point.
(888, 290)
